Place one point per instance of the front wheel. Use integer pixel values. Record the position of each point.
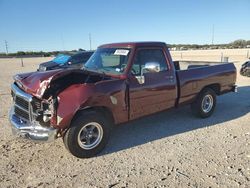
(88, 134)
(205, 103)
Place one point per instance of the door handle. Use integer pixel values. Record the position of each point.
(169, 77)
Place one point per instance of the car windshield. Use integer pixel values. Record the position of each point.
(61, 59)
(108, 60)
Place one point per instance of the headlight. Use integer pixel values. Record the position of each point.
(42, 68)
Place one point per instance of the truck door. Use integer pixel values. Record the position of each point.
(150, 91)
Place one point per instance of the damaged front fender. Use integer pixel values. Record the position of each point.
(69, 101)
(111, 95)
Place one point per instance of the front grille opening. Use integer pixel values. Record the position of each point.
(22, 103)
(21, 113)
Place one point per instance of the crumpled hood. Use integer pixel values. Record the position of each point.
(35, 83)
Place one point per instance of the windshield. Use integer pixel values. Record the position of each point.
(61, 59)
(108, 60)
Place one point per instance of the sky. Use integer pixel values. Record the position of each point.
(46, 25)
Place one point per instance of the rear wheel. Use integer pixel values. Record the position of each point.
(205, 103)
(88, 134)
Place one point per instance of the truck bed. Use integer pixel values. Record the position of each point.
(193, 76)
(184, 65)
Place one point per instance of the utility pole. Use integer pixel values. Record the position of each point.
(6, 46)
(213, 34)
(90, 46)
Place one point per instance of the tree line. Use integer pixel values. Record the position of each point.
(37, 54)
(235, 44)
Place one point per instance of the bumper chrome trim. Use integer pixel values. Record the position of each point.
(31, 130)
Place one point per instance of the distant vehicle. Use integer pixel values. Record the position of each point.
(69, 60)
(245, 69)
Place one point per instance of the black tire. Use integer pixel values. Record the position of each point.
(197, 106)
(71, 138)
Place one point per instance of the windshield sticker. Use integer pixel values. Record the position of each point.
(121, 52)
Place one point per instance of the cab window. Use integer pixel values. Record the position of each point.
(144, 56)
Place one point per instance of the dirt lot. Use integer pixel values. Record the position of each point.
(172, 149)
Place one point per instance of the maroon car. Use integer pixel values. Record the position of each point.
(119, 83)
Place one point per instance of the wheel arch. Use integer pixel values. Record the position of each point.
(99, 109)
(215, 87)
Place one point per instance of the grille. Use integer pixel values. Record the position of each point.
(22, 103)
(21, 107)
(22, 100)
(21, 113)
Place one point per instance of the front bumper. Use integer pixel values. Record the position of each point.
(31, 130)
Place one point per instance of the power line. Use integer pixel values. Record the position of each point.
(6, 46)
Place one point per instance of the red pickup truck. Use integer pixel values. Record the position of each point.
(119, 83)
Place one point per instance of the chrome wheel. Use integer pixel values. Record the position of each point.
(90, 135)
(207, 103)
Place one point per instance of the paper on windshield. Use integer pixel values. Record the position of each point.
(121, 52)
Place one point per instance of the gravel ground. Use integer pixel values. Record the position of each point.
(169, 149)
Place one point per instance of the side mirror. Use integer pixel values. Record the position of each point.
(152, 67)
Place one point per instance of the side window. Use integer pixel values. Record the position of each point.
(80, 58)
(144, 56)
(75, 59)
(85, 57)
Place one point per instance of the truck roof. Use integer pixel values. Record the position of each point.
(133, 44)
